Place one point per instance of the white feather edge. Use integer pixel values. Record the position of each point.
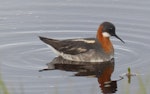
(84, 40)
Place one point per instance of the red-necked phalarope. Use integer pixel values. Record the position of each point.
(97, 49)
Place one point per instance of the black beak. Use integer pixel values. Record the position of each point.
(119, 38)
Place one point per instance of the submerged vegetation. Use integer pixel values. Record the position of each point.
(142, 88)
(3, 89)
(143, 84)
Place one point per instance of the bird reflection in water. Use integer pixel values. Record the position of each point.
(101, 70)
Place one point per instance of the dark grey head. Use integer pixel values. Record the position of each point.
(109, 30)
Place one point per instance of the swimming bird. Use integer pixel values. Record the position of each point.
(98, 49)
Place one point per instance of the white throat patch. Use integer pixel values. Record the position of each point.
(105, 34)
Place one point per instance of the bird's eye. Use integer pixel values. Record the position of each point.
(110, 28)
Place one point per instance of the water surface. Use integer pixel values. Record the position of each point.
(22, 54)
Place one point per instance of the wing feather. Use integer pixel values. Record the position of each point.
(70, 46)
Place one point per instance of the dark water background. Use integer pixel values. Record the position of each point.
(22, 54)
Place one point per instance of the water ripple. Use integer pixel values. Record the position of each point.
(22, 54)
